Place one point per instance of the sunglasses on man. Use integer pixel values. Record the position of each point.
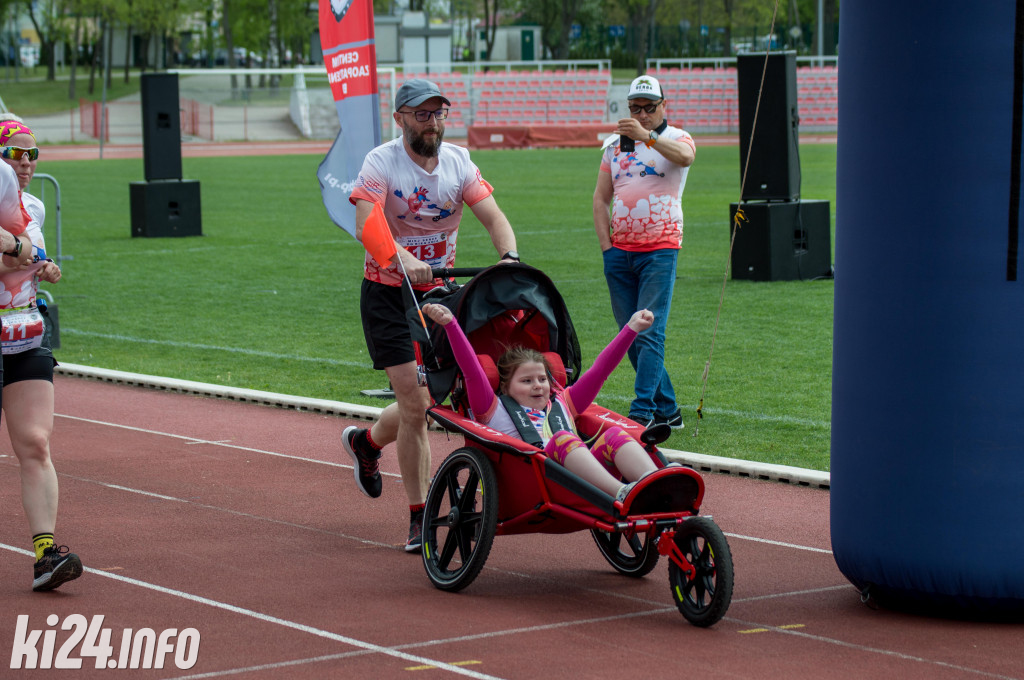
(650, 108)
(14, 153)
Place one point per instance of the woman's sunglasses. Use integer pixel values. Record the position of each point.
(14, 153)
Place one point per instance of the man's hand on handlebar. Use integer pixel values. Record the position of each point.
(416, 270)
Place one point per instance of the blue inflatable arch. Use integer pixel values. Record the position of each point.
(927, 468)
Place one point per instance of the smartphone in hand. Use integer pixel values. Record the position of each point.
(627, 144)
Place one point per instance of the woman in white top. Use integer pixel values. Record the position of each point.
(28, 371)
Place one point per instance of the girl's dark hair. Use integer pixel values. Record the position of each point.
(513, 358)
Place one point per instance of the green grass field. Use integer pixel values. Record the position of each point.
(267, 298)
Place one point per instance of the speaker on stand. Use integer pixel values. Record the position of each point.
(772, 163)
(164, 204)
(784, 237)
(782, 241)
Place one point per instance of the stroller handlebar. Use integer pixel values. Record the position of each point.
(455, 272)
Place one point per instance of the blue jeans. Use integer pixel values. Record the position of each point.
(645, 281)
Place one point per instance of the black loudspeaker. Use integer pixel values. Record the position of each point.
(773, 173)
(782, 241)
(161, 126)
(166, 208)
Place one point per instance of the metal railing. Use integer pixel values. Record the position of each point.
(725, 62)
(58, 255)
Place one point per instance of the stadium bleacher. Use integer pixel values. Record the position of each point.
(706, 100)
(701, 100)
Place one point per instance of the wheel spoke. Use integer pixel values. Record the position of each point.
(451, 482)
(636, 545)
(448, 550)
(468, 499)
(701, 587)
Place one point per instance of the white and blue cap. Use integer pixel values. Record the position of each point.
(645, 87)
(416, 91)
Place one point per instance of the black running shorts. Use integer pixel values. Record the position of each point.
(33, 364)
(384, 324)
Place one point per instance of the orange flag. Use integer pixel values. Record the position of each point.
(377, 237)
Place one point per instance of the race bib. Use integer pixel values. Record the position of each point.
(22, 330)
(429, 248)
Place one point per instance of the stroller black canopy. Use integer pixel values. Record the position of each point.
(502, 306)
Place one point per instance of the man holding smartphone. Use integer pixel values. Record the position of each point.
(638, 217)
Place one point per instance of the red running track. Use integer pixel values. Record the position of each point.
(242, 521)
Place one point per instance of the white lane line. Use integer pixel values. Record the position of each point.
(211, 442)
(780, 544)
(236, 513)
(274, 620)
(217, 348)
(872, 650)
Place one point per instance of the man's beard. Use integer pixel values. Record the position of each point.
(421, 147)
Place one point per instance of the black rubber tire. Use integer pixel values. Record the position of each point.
(635, 556)
(460, 519)
(704, 599)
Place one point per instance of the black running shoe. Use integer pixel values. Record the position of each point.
(675, 421)
(56, 567)
(415, 542)
(366, 469)
(644, 421)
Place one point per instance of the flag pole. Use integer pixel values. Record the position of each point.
(419, 310)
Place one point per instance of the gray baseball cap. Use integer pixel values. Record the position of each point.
(415, 92)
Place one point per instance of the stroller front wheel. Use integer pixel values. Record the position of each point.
(703, 595)
(460, 519)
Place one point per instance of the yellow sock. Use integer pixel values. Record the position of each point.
(41, 542)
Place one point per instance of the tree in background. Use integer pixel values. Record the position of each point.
(555, 18)
(491, 9)
(47, 19)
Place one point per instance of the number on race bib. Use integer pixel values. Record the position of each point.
(22, 330)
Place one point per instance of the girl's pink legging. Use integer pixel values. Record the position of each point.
(604, 449)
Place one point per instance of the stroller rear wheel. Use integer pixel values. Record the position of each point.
(703, 596)
(460, 519)
(633, 555)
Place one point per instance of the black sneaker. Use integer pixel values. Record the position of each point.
(415, 542)
(644, 421)
(675, 421)
(56, 567)
(366, 469)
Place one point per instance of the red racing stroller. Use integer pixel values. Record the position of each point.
(499, 485)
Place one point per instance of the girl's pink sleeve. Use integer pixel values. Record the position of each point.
(583, 392)
(478, 388)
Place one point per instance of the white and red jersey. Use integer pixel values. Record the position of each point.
(423, 209)
(647, 208)
(12, 216)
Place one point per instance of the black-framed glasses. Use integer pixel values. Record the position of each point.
(14, 153)
(650, 108)
(423, 116)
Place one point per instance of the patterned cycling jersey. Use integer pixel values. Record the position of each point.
(22, 323)
(423, 209)
(12, 216)
(647, 210)
(18, 288)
